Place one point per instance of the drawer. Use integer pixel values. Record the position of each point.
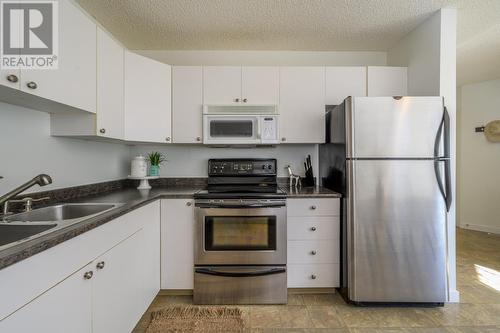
(313, 207)
(313, 252)
(316, 227)
(313, 276)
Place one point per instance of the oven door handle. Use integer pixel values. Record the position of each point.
(240, 274)
(242, 205)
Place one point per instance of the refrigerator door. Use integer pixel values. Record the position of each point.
(388, 127)
(396, 230)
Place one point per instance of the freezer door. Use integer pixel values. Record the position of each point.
(386, 127)
(396, 229)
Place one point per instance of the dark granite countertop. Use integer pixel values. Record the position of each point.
(310, 192)
(131, 198)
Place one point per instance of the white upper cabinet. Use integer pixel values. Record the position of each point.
(110, 108)
(387, 81)
(147, 99)
(74, 82)
(221, 85)
(342, 82)
(187, 104)
(260, 85)
(302, 104)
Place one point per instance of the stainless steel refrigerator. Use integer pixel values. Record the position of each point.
(389, 157)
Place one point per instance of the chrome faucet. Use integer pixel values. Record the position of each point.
(40, 180)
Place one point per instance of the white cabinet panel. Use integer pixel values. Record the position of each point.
(187, 104)
(74, 82)
(313, 276)
(387, 81)
(147, 99)
(117, 287)
(260, 85)
(313, 227)
(221, 84)
(110, 108)
(150, 218)
(302, 104)
(342, 82)
(64, 308)
(177, 230)
(313, 251)
(313, 207)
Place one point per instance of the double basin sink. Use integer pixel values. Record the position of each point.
(28, 225)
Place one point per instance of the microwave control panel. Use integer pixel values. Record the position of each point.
(269, 131)
(248, 167)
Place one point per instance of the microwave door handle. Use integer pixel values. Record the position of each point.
(258, 127)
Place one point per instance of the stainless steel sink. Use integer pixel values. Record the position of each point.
(10, 233)
(61, 212)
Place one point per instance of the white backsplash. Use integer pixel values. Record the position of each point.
(191, 160)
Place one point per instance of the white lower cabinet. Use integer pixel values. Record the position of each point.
(177, 253)
(111, 291)
(313, 242)
(67, 307)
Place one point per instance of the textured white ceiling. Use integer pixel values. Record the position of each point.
(316, 25)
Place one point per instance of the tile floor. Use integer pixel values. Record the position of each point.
(478, 279)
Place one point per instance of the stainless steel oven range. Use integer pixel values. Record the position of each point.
(240, 241)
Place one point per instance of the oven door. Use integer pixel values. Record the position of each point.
(231, 129)
(240, 236)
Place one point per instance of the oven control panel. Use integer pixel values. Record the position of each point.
(242, 167)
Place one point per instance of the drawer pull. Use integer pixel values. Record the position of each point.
(313, 228)
(313, 252)
(313, 207)
(313, 277)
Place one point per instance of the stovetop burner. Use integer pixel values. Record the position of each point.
(241, 178)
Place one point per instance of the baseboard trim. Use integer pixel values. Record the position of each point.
(176, 292)
(454, 296)
(483, 228)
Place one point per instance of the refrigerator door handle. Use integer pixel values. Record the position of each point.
(443, 132)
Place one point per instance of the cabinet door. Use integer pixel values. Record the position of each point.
(342, 82)
(221, 85)
(117, 287)
(387, 81)
(260, 85)
(302, 104)
(147, 99)
(110, 111)
(74, 82)
(64, 308)
(177, 246)
(187, 104)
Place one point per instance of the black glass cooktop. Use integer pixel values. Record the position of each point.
(241, 192)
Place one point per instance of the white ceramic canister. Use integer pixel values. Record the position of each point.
(139, 167)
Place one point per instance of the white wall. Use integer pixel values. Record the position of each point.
(267, 58)
(191, 161)
(27, 149)
(429, 51)
(479, 179)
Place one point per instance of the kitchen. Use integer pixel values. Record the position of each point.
(222, 226)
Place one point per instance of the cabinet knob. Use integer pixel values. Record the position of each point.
(188, 203)
(283, 139)
(88, 275)
(237, 100)
(198, 138)
(313, 252)
(313, 207)
(102, 130)
(167, 139)
(100, 265)
(32, 85)
(12, 78)
(244, 100)
(313, 228)
(313, 277)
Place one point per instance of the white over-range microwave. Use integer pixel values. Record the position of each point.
(240, 125)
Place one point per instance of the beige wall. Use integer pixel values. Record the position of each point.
(479, 172)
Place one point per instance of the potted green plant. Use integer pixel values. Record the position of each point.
(155, 160)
